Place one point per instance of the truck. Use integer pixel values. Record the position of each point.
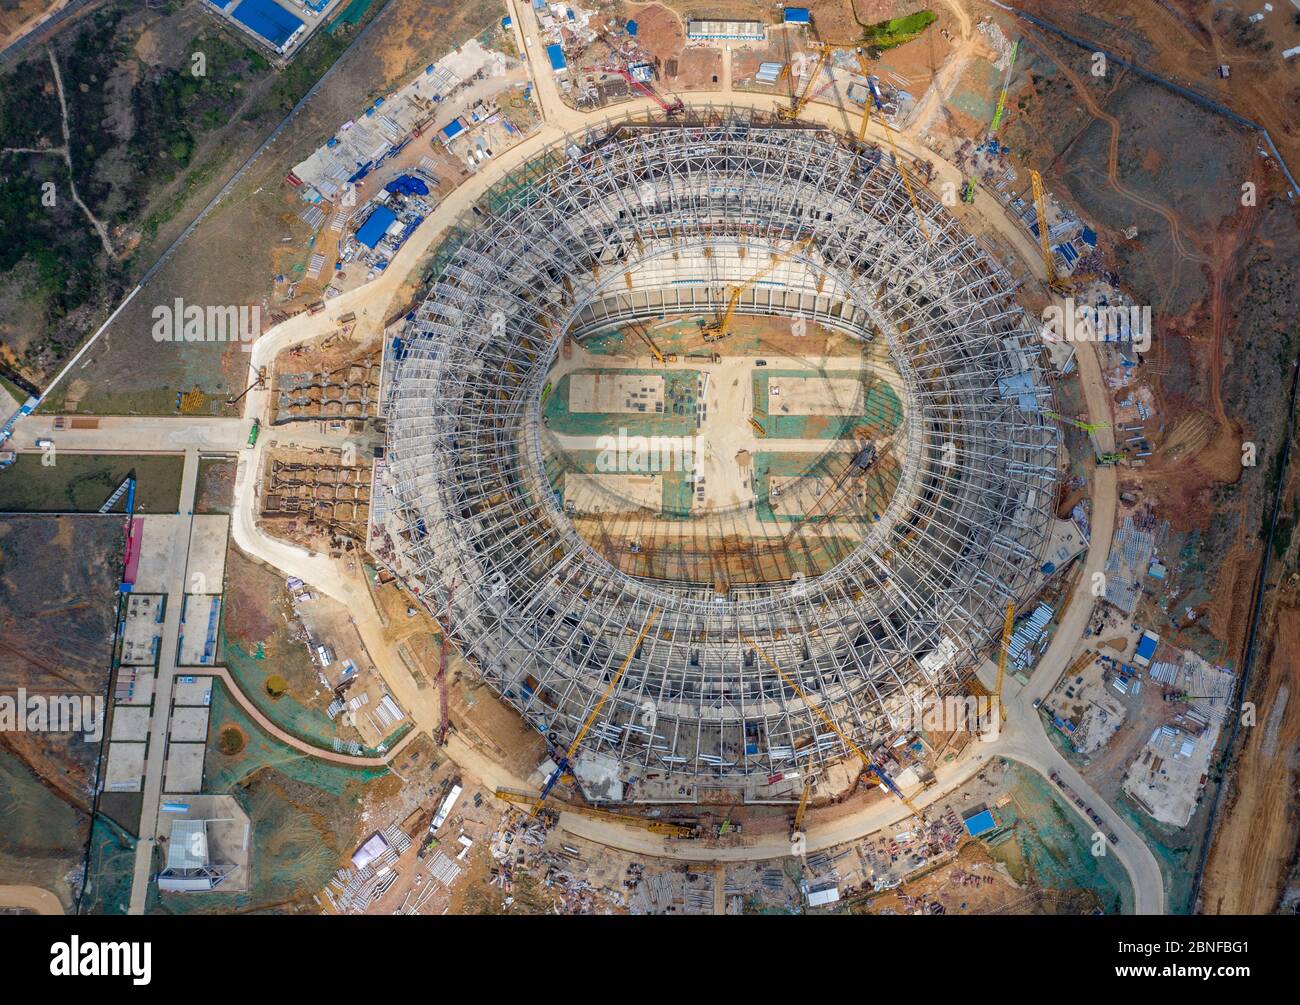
(252, 433)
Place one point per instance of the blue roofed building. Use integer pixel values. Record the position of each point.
(268, 20)
(372, 231)
(798, 15)
(1146, 648)
(632, 28)
(555, 53)
(979, 821)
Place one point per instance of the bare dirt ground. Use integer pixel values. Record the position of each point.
(1187, 41)
(1256, 838)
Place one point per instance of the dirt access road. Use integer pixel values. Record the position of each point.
(30, 898)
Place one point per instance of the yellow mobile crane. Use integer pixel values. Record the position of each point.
(801, 102)
(1059, 283)
(643, 334)
(889, 137)
(722, 327)
(872, 769)
(803, 808)
(1008, 625)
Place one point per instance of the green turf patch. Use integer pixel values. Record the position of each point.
(81, 483)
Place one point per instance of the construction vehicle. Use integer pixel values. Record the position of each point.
(874, 770)
(797, 826)
(674, 107)
(258, 381)
(1108, 459)
(565, 763)
(1008, 626)
(663, 827)
(1087, 427)
(722, 327)
(758, 427)
(873, 98)
(252, 433)
(1059, 283)
(801, 102)
(968, 192)
(644, 335)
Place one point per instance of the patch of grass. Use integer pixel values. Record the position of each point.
(81, 483)
(883, 35)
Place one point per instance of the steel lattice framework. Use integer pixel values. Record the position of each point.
(549, 620)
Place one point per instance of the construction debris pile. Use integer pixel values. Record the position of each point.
(352, 890)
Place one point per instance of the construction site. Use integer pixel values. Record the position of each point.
(730, 683)
(700, 461)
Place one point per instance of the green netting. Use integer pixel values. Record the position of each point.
(309, 724)
(677, 418)
(1053, 845)
(881, 410)
(110, 870)
(222, 772)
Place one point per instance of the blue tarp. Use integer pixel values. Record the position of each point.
(556, 56)
(1089, 237)
(370, 232)
(1146, 647)
(797, 15)
(271, 21)
(407, 185)
(631, 28)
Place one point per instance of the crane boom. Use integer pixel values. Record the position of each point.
(595, 710)
(875, 770)
(722, 328)
(663, 827)
(1008, 625)
(1054, 279)
(802, 101)
(1044, 243)
(444, 714)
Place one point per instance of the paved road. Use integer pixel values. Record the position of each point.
(162, 701)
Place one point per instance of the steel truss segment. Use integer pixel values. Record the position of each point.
(546, 617)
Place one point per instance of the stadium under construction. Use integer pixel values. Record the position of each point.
(718, 684)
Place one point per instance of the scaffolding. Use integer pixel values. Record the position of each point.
(687, 207)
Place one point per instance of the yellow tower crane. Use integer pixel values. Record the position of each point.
(722, 327)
